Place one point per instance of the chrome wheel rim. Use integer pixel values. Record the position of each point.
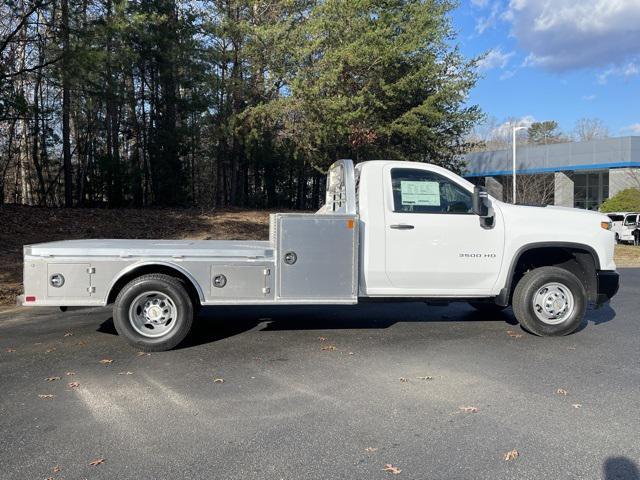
(153, 314)
(553, 303)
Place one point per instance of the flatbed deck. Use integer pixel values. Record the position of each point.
(255, 249)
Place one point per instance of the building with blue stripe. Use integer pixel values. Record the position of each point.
(584, 173)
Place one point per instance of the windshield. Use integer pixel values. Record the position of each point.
(631, 220)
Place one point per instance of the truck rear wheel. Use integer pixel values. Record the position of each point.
(549, 301)
(153, 312)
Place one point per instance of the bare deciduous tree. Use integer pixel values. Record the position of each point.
(535, 189)
(590, 129)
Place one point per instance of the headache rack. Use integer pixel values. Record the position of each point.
(340, 196)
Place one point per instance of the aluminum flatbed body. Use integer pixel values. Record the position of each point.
(308, 259)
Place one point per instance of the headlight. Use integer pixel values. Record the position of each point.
(606, 225)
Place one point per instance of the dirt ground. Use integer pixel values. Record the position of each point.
(20, 225)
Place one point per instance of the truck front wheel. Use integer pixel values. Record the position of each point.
(549, 301)
(153, 312)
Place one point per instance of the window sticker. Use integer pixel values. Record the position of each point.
(420, 193)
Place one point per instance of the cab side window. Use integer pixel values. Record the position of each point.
(421, 191)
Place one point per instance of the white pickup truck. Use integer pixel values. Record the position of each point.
(388, 231)
(629, 225)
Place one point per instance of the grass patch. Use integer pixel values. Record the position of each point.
(627, 256)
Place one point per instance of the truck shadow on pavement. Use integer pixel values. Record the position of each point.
(596, 317)
(602, 315)
(218, 323)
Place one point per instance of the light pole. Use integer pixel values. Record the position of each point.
(515, 129)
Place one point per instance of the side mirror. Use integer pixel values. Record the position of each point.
(481, 202)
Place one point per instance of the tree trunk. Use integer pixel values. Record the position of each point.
(136, 156)
(66, 107)
(36, 134)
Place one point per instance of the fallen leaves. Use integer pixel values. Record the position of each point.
(73, 385)
(11, 350)
(562, 391)
(69, 374)
(425, 378)
(514, 334)
(576, 405)
(125, 373)
(142, 354)
(391, 469)
(328, 348)
(322, 339)
(52, 379)
(512, 455)
(56, 469)
(402, 379)
(370, 449)
(97, 461)
(106, 361)
(50, 350)
(218, 380)
(68, 334)
(469, 409)
(45, 395)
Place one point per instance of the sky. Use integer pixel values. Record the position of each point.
(555, 60)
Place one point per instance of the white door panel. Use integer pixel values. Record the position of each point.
(434, 253)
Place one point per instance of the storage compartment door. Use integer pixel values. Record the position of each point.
(240, 282)
(72, 280)
(317, 257)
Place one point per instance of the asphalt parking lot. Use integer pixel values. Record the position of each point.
(319, 393)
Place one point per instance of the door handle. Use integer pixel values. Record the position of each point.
(402, 226)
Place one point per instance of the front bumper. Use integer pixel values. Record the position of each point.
(608, 284)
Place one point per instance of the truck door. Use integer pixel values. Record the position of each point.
(435, 245)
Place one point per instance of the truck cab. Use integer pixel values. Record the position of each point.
(389, 230)
(420, 235)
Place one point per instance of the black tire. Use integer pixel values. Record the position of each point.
(173, 288)
(529, 286)
(487, 307)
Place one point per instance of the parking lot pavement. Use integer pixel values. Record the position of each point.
(323, 392)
